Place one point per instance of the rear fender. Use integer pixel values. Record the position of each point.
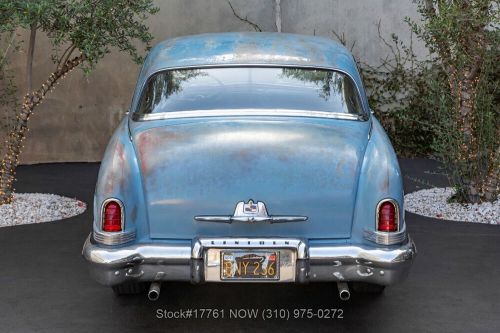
(119, 178)
(380, 178)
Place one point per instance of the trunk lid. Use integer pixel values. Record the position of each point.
(205, 166)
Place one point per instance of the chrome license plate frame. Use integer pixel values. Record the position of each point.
(213, 265)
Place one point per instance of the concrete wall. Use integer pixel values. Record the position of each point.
(76, 120)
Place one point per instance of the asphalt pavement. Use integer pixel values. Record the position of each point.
(45, 287)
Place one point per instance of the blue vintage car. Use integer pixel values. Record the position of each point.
(249, 157)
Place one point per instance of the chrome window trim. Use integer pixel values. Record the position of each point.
(370, 130)
(243, 112)
(122, 208)
(141, 117)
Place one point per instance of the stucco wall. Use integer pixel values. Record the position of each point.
(76, 120)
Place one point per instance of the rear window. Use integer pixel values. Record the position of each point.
(269, 88)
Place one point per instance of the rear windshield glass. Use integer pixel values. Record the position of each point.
(250, 88)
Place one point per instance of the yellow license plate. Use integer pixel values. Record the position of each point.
(250, 265)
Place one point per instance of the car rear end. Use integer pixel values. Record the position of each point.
(177, 220)
(249, 173)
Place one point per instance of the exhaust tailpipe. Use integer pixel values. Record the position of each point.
(154, 291)
(344, 292)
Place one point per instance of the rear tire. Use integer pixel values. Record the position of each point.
(129, 288)
(367, 288)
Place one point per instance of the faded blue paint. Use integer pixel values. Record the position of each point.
(254, 48)
(380, 178)
(119, 178)
(296, 166)
(167, 171)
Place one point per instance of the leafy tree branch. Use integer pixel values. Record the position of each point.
(89, 28)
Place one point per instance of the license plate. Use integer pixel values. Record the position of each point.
(250, 265)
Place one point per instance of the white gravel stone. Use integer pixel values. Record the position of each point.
(433, 203)
(29, 208)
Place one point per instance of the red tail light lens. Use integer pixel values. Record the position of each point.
(112, 217)
(387, 217)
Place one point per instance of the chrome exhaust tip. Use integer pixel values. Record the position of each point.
(344, 292)
(154, 291)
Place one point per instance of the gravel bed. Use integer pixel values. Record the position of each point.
(433, 203)
(39, 207)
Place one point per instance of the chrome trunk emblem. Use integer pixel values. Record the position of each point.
(250, 212)
(250, 207)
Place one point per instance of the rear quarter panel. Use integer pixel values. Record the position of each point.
(380, 178)
(119, 178)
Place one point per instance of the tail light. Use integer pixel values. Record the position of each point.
(112, 217)
(387, 218)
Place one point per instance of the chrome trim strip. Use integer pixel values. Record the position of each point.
(257, 212)
(286, 219)
(114, 238)
(213, 218)
(244, 112)
(385, 238)
(231, 219)
(364, 102)
(199, 245)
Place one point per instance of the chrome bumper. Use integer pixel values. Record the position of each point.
(179, 262)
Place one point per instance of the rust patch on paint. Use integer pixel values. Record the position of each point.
(150, 143)
(116, 176)
(123, 167)
(340, 166)
(384, 187)
(120, 152)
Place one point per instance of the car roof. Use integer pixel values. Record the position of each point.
(247, 48)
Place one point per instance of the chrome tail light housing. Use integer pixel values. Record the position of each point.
(111, 227)
(387, 229)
